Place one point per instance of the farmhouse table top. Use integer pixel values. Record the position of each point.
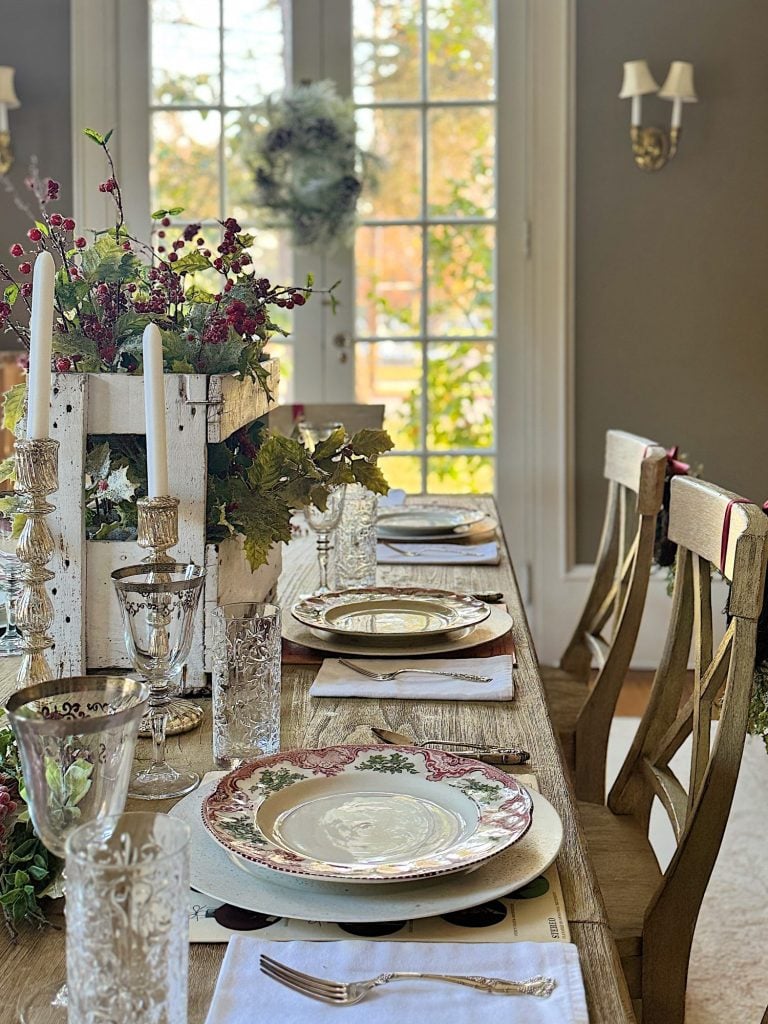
(38, 956)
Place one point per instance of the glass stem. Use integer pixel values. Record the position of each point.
(158, 716)
(323, 547)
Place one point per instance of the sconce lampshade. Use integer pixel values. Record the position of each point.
(638, 80)
(7, 92)
(679, 83)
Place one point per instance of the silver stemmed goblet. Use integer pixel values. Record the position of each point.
(76, 739)
(158, 602)
(324, 522)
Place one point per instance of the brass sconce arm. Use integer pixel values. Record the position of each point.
(6, 153)
(653, 147)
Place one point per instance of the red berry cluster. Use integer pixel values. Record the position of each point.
(110, 185)
(8, 806)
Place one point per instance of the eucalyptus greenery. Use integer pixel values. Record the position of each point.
(308, 169)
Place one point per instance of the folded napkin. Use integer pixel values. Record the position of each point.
(242, 990)
(403, 552)
(392, 499)
(336, 680)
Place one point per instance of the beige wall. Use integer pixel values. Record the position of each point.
(672, 268)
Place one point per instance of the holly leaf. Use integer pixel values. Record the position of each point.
(119, 487)
(97, 462)
(77, 781)
(369, 476)
(330, 446)
(11, 293)
(370, 442)
(14, 403)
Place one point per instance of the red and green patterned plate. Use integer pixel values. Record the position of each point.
(367, 813)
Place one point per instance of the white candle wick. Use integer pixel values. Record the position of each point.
(154, 411)
(40, 336)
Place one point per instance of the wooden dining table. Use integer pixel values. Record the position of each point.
(37, 956)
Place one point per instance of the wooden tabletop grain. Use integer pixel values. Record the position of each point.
(37, 957)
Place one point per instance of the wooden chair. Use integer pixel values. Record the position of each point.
(653, 914)
(582, 711)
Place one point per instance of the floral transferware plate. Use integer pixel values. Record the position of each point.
(391, 613)
(367, 813)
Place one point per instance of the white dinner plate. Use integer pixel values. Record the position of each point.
(498, 624)
(388, 614)
(215, 873)
(367, 813)
(483, 529)
(415, 521)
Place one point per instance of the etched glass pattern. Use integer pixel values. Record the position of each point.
(246, 682)
(127, 931)
(354, 546)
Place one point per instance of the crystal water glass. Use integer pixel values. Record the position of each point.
(324, 522)
(127, 923)
(10, 580)
(76, 740)
(246, 682)
(158, 602)
(353, 563)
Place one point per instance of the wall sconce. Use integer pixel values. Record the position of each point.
(8, 101)
(653, 147)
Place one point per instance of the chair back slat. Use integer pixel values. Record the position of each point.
(703, 521)
(635, 468)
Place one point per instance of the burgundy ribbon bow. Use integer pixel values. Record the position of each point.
(676, 466)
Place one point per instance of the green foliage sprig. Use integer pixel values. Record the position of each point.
(308, 169)
(27, 869)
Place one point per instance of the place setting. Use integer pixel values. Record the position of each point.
(435, 535)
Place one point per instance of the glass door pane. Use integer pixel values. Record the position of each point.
(424, 85)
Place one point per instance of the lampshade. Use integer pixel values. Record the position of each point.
(679, 83)
(638, 80)
(7, 92)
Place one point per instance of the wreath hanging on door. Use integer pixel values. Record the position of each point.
(308, 170)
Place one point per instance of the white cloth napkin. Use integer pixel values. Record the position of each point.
(393, 498)
(243, 994)
(336, 680)
(403, 552)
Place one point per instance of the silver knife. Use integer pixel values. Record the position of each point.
(480, 752)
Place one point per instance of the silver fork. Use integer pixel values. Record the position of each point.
(345, 993)
(381, 676)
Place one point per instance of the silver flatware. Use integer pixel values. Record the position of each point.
(480, 751)
(345, 993)
(383, 676)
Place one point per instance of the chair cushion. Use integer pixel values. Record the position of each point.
(565, 697)
(627, 871)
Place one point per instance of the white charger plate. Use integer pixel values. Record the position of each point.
(498, 624)
(215, 873)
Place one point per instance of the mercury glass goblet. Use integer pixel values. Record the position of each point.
(76, 739)
(158, 602)
(324, 522)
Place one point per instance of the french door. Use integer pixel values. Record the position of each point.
(431, 319)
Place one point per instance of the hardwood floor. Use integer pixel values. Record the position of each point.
(635, 692)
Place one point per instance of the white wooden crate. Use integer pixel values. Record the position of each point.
(200, 410)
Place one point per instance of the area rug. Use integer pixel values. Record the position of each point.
(728, 977)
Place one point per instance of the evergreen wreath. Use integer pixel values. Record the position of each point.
(308, 169)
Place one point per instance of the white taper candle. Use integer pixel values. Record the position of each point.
(40, 334)
(154, 412)
(677, 112)
(636, 114)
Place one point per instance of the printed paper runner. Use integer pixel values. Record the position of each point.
(535, 913)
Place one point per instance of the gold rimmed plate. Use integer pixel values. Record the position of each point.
(424, 520)
(390, 613)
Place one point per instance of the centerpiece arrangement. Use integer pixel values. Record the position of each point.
(237, 483)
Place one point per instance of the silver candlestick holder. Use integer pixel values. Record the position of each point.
(158, 530)
(37, 476)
